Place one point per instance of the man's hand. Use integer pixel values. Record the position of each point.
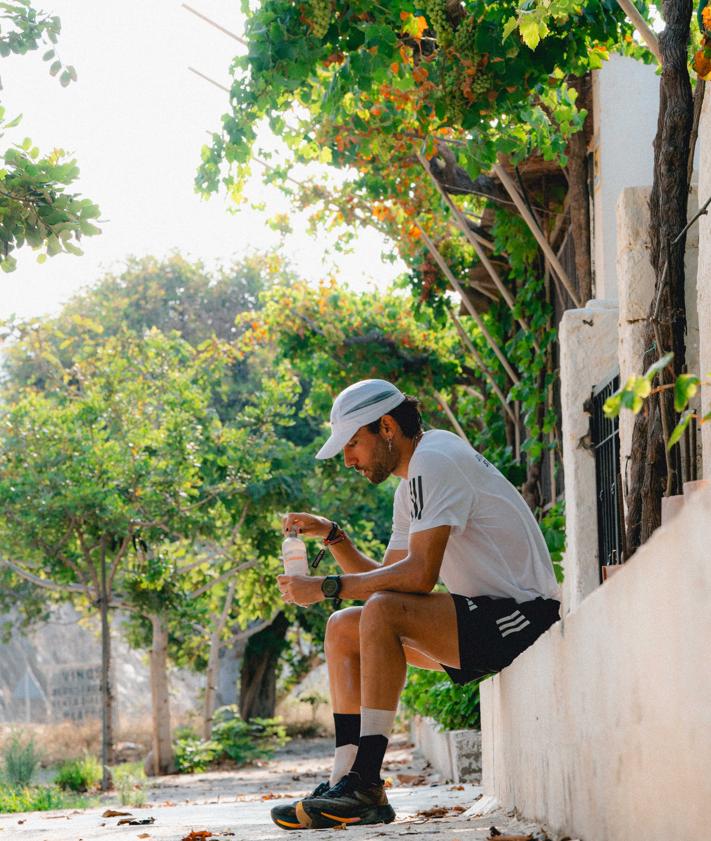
(310, 525)
(301, 589)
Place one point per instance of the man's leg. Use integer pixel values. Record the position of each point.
(392, 624)
(343, 655)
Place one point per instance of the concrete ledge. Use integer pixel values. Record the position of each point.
(456, 754)
(602, 729)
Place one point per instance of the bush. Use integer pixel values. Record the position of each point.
(79, 774)
(232, 738)
(432, 694)
(20, 760)
(244, 741)
(193, 755)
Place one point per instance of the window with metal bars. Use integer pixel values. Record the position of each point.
(605, 437)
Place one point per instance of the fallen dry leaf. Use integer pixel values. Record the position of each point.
(113, 813)
(495, 833)
(412, 779)
(199, 835)
(456, 788)
(434, 812)
(274, 796)
(136, 821)
(145, 835)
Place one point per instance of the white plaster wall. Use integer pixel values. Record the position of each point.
(625, 107)
(704, 276)
(588, 355)
(636, 289)
(602, 729)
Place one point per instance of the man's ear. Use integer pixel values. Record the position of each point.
(387, 426)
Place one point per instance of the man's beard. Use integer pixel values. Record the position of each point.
(383, 465)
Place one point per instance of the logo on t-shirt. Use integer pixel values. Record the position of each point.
(416, 498)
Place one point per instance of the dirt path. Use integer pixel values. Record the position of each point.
(234, 805)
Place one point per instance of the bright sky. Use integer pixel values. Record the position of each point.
(136, 120)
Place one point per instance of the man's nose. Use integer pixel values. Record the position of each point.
(347, 460)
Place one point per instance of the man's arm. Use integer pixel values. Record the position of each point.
(414, 571)
(348, 558)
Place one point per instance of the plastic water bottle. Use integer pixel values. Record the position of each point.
(293, 552)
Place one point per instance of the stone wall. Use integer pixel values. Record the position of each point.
(602, 729)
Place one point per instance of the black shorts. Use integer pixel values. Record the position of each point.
(493, 632)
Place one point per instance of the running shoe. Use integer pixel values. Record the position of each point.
(350, 801)
(285, 816)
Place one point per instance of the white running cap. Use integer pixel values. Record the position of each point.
(356, 406)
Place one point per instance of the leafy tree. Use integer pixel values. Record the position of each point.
(117, 458)
(35, 207)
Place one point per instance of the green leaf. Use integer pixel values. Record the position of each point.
(55, 67)
(679, 428)
(685, 388)
(659, 365)
(509, 27)
(528, 27)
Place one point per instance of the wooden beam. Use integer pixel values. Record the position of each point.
(450, 414)
(646, 33)
(472, 239)
(543, 243)
(468, 344)
(441, 262)
(216, 25)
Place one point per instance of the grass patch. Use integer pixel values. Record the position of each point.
(130, 783)
(40, 799)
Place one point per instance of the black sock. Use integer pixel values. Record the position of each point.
(347, 728)
(369, 759)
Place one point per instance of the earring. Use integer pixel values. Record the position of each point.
(390, 445)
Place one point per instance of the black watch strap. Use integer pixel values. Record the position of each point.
(331, 586)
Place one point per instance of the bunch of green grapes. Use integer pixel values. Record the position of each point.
(481, 84)
(320, 17)
(452, 86)
(436, 14)
(465, 38)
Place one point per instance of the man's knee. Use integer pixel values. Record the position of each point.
(382, 609)
(342, 630)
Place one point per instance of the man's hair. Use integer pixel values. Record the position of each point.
(408, 417)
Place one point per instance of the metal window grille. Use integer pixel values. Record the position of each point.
(605, 435)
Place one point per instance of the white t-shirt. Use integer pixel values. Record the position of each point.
(495, 545)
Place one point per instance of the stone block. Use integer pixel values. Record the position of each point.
(456, 754)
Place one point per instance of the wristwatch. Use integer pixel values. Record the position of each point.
(331, 586)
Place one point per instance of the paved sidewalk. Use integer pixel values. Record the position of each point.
(234, 806)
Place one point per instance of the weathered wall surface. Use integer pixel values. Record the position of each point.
(704, 275)
(625, 105)
(588, 355)
(602, 729)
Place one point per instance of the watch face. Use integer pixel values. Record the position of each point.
(330, 587)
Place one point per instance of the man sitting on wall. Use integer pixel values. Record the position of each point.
(455, 517)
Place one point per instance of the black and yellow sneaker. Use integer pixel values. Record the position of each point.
(351, 801)
(285, 816)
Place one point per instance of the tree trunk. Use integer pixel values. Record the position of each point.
(107, 718)
(214, 660)
(579, 197)
(162, 749)
(258, 676)
(654, 472)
